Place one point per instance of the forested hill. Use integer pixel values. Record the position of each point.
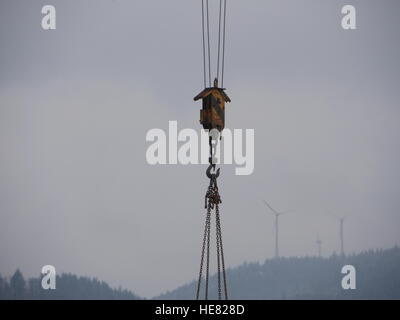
(68, 286)
(377, 277)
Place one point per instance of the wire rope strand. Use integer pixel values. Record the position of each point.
(219, 37)
(223, 47)
(208, 40)
(204, 44)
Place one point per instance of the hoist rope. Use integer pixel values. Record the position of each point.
(209, 49)
(205, 22)
(204, 43)
(222, 20)
(223, 47)
(219, 37)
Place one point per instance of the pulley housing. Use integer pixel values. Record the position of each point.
(212, 114)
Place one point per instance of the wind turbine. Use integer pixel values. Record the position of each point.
(277, 214)
(341, 232)
(319, 245)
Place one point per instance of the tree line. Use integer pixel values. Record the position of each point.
(377, 277)
(68, 287)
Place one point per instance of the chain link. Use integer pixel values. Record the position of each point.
(208, 253)
(218, 257)
(218, 226)
(208, 217)
(211, 202)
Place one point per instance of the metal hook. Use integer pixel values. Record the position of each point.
(212, 175)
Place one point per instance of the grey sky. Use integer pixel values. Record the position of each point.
(76, 103)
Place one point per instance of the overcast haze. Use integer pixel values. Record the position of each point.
(76, 103)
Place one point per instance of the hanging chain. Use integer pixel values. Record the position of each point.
(208, 257)
(212, 201)
(218, 226)
(218, 258)
(208, 217)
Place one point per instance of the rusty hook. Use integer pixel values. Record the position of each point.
(212, 175)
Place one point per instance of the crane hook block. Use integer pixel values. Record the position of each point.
(212, 114)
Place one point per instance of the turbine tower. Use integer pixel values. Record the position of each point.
(276, 214)
(341, 232)
(319, 245)
(341, 220)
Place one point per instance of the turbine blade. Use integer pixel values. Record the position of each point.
(272, 209)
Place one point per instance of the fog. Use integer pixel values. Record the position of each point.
(76, 103)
